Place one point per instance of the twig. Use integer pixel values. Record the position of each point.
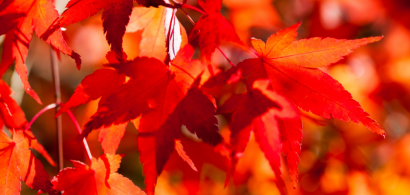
(168, 58)
(77, 126)
(56, 81)
(248, 49)
(189, 17)
(72, 117)
(193, 23)
(51, 106)
(193, 8)
(226, 57)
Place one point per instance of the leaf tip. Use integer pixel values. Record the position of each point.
(77, 59)
(375, 39)
(180, 150)
(33, 94)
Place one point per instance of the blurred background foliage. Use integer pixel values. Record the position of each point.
(337, 157)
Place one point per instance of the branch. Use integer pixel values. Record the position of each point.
(56, 81)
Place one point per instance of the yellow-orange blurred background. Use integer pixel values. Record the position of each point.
(337, 157)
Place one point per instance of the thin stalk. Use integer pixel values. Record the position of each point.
(72, 117)
(168, 59)
(51, 106)
(77, 126)
(189, 17)
(248, 49)
(193, 23)
(230, 62)
(193, 8)
(56, 81)
(226, 57)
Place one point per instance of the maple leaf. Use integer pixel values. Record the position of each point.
(257, 111)
(13, 117)
(10, 112)
(100, 178)
(115, 17)
(155, 23)
(9, 20)
(151, 21)
(18, 163)
(181, 152)
(291, 137)
(110, 137)
(40, 16)
(292, 68)
(100, 84)
(202, 154)
(159, 99)
(211, 29)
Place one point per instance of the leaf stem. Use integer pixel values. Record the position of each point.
(226, 57)
(193, 8)
(169, 37)
(249, 50)
(193, 23)
(77, 126)
(189, 17)
(49, 107)
(72, 117)
(56, 81)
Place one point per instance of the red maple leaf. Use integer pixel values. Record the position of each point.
(258, 111)
(291, 136)
(116, 16)
(292, 68)
(159, 99)
(10, 112)
(13, 117)
(211, 29)
(202, 154)
(100, 178)
(20, 18)
(18, 163)
(100, 84)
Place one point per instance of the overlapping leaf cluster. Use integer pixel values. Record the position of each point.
(164, 89)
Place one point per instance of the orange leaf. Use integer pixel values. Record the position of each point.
(115, 17)
(110, 137)
(42, 18)
(99, 84)
(100, 178)
(291, 134)
(258, 111)
(309, 88)
(18, 163)
(152, 21)
(14, 118)
(180, 150)
(211, 29)
(282, 48)
(163, 98)
(155, 23)
(10, 112)
(291, 68)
